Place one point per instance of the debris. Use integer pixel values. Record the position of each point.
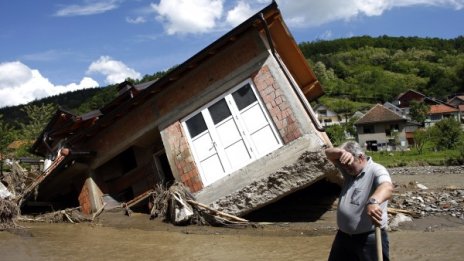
(216, 212)
(8, 212)
(177, 205)
(4, 193)
(39, 179)
(135, 201)
(398, 219)
(422, 203)
(71, 215)
(420, 186)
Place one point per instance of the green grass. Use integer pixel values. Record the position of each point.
(413, 158)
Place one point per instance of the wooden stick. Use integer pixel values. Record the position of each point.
(397, 210)
(139, 198)
(96, 214)
(378, 241)
(68, 217)
(217, 211)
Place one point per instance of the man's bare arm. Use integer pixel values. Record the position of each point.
(337, 155)
(383, 192)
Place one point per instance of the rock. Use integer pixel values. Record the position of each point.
(420, 186)
(398, 219)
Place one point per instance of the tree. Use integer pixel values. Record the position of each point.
(446, 134)
(418, 111)
(420, 138)
(38, 117)
(336, 134)
(6, 135)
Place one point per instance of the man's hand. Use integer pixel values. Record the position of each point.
(375, 212)
(346, 158)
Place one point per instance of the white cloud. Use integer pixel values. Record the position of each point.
(205, 16)
(186, 16)
(310, 13)
(90, 8)
(239, 13)
(20, 84)
(115, 71)
(137, 20)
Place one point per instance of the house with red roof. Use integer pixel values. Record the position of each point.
(439, 112)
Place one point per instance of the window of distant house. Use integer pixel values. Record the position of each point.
(435, 117)
(323, 112)
(230, 132)
(368, 129)
(391, 129)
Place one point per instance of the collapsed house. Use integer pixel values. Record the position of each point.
(233, 124)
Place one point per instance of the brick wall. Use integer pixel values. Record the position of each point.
(215, 69)
(84, 199)
(277, 105)
(182, 157)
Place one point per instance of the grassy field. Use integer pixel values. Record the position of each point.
(413, 158)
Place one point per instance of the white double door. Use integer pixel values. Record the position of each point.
(232, 132)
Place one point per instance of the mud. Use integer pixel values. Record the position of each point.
(298, 237)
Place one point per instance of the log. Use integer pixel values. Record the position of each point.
(217, 212)
(402, 211)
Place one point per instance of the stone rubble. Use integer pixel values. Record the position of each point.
(431, 202)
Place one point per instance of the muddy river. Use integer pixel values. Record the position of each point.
(153, 240)
(86, 242)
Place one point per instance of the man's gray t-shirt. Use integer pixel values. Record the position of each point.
(352, 216)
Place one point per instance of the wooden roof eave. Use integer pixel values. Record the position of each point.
(291, 55)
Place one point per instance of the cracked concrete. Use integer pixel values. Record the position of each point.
(308, 169)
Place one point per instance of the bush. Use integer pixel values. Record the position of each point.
(446, 134)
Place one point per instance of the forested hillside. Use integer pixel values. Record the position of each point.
(371, 70)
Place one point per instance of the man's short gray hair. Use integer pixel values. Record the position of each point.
(353, 147)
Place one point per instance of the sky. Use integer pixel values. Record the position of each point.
(49, 47)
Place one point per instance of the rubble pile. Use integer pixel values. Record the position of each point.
(8, 212)
(429, 202)
(177, 205)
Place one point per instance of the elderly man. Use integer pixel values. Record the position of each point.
(362, 205)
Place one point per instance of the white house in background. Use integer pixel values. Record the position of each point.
(383, 129)
(326, 116)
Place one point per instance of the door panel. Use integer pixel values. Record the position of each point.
(204, 146)
(254, 118)
(237, 154)
(212, 169)
(265, 140)
(228, 132)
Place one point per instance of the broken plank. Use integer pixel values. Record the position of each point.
(217, 211)
(139, 198)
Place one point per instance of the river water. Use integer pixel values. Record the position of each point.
(159, 241)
